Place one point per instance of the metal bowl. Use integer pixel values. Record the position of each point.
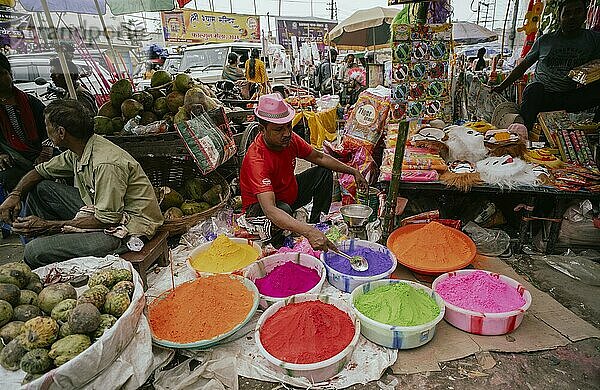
(356, 215)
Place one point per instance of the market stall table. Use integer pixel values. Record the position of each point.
(560, 200)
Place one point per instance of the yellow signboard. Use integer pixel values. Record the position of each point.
(193, 26)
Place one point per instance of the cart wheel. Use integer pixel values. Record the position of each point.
(247, 138)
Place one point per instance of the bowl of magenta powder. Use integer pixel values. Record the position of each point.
(482, 302)
(282, 275)
(341, 275)
(308, 335)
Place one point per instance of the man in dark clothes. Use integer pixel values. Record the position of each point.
(556, 54)
(84, 96)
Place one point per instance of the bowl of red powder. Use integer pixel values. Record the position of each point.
(431, 248)
(202, 312)
(341, 275)
(282, 275)
(308, 335)
(482, 302)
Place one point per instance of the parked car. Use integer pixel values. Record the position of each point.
(206, 62)
(27, 68)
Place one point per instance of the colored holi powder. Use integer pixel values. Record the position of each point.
(223, 256)
(398, 304)
(287, 279)
(379, 262)
(303, 246)
(433, 245)
(200, 309)
(307, 332)
(481, 292)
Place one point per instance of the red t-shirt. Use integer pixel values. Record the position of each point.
(265, 170)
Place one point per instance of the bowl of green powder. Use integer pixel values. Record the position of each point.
(398, 314)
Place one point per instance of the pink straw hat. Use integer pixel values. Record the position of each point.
(274, 109)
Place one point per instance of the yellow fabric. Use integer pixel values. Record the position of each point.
(108, 178)
(260, 74)
(322, 125)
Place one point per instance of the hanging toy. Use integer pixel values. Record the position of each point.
(506, 171)
(461, 174)
(465, 144)
(532, 19)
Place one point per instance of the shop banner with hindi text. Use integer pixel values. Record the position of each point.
(194, 26)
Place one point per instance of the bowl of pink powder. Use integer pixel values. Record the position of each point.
(482, 302)
(308, 335)
(282, 275)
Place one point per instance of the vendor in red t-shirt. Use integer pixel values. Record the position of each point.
(271, 192)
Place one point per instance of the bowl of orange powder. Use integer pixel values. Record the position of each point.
(202, 312)
(431, 248)
(308, 335)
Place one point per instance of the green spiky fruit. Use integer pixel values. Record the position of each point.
(26, 312)
(39, 332)
(61, 311)
(121, 275)
(124, 286)
(95, 295)
(10, 293)
(12, 353)
(28, 297)
(6, 312)
(35, 283)
(84, 318)
(11, 330)
(50, 296)
(106, 322)
(67, 348)
(116, 303)
(104, 277)
(36, 361)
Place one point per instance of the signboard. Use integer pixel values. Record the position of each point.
(193, 26)
(306, 31)
(17, 30)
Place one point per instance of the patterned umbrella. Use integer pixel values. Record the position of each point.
(364, 28)
(467, 33)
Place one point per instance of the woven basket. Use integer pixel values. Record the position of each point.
(157, 145)
(173, 172)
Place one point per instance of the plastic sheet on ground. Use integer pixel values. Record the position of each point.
(239, 354)
(580, 267)
(489, 242)
(122, 358)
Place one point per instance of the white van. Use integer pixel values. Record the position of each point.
(206, 62)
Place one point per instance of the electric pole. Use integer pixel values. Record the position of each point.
(332, 6)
